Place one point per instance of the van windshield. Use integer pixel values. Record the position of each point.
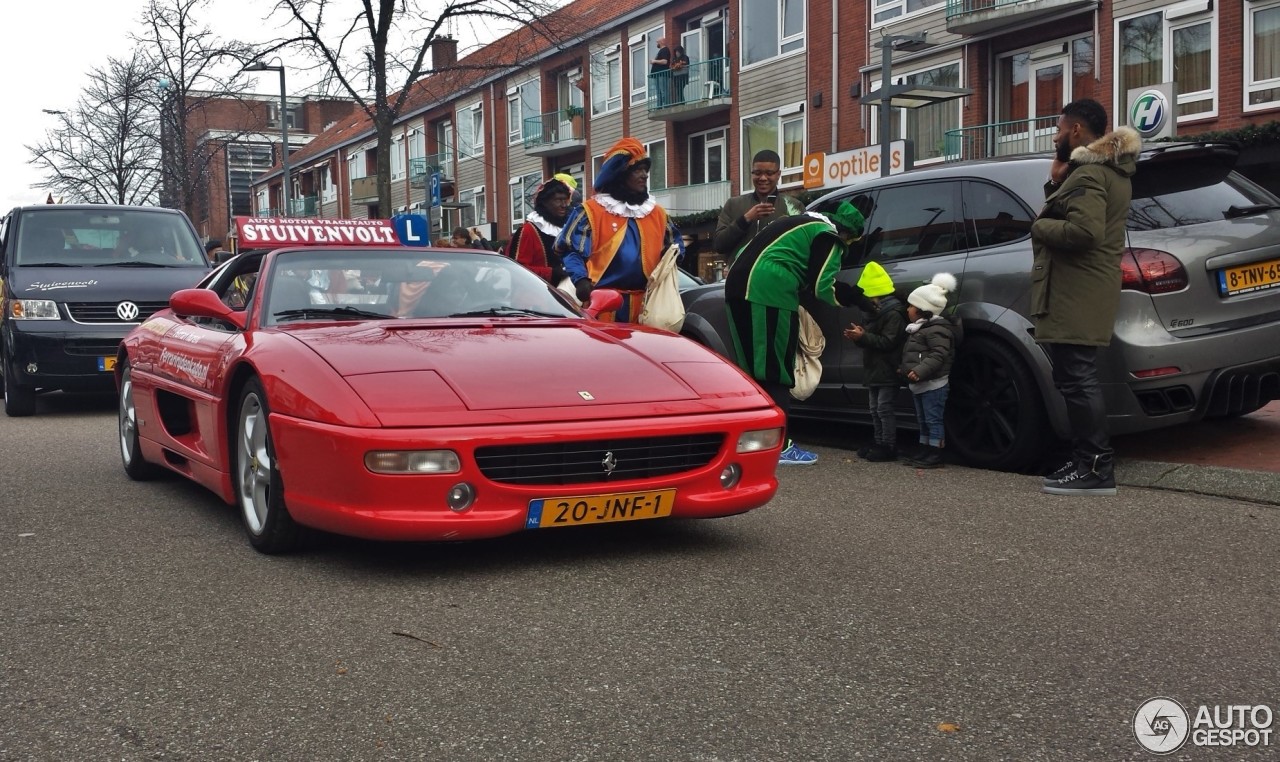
(91, 238)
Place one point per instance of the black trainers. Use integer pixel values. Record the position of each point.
(1058, 473)
(929, 457)
(864, 451)
(1089, 479)
(881, 454)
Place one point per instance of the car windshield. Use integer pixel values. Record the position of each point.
(363, 284)
(92, 238)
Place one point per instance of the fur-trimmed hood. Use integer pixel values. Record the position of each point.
(1118, 148)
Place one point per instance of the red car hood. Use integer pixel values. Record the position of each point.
(417, 375)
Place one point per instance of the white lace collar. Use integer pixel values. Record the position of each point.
(543, 224)
(622, 208)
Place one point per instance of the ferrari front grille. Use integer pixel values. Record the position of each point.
(108, 312)
(600, 460)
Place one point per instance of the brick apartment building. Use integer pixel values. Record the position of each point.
(790, 75)
(232, 139)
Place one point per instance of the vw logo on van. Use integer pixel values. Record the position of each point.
(127, 311)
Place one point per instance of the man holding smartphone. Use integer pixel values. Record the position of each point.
(744, 216)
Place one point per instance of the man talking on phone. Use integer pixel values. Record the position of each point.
(744, 216)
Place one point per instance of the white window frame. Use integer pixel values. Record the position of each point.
(792, 176)
(643, 43)
(787, 46)
(515, 110)
(722, 135)
(397, 157)
(417, 143)
(519, 209)
(1251, 83)
(604, 65)
(1168, 26)
(328, 188)
(355, 165)
(263, 199)
(476, 120)
(900, 6)
(874, 111)
(648, 149)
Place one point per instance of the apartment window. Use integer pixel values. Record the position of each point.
(328, 191)
(445, 144)
(886, 10)
(606, 81)
(273, 115)
(782, 131)
(926, 126)
(771, 28)
(397, 157)
(707, 152)
(472, 211)
(355, 167)
(522, 104)
(643, 49)
(417, 143)
(1166, 45)
(522, 189)
(657, 164)
(1262, 54)
(470, 132)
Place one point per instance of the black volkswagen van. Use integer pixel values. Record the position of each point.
(76, 279)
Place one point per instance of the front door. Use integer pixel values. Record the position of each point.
(1048, 91)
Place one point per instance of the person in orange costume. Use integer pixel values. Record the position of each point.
(616, 238)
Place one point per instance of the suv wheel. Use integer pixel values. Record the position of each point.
(995, 417)
(19, 399)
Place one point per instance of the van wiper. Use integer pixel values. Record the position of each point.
(306, 313)
(1234, 211)
(133, 263)
(47, 264)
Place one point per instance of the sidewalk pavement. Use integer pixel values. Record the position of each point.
(1237, 458)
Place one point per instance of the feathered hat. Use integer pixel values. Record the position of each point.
(624, 155)
(558, 183)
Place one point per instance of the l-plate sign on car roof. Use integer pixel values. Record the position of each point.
(258, 232)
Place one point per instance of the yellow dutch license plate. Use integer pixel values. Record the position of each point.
(106, 363)
(599, 509)
(1246, 278)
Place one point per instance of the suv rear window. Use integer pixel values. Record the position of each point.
(1193, 206)
(81, 237)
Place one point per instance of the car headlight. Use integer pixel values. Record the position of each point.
(754, 441)
(34, 309)
(413, 462)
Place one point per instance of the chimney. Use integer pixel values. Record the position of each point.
(444, 52)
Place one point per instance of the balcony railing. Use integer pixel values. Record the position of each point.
(423, 167)
(364, 189)
(691, 90)
(690, 199)
(273, 212)
(303, 207)
(977, 16)
(1001, 139)
(555, 132)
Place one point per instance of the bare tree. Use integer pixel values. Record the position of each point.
(104, 149)
(193, 68)
(353, 43)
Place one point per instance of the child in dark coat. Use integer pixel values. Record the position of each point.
(881, 340)
(926, 364)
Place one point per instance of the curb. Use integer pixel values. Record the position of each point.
(1233, 483)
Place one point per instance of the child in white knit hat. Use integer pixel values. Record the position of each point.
(926, 364)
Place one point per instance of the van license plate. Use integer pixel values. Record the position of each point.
(106, 363)
(1246, 278)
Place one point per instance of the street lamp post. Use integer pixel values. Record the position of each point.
(284, 132)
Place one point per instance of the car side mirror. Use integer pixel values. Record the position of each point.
(602, 300)
(199, 302)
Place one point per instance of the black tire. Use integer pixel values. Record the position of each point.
(259, 489)
(136, 467)
(995, 415)
(19, 399)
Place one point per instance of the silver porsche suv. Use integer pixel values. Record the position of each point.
(1197, 335)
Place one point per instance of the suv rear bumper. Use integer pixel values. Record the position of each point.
(65, 355)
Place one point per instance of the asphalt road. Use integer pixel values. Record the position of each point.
(861, 615)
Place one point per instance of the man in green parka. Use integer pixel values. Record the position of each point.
(790, 256)
(1075, 280)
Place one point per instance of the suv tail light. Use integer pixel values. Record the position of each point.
(1151, 271)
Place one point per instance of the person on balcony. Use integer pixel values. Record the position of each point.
(533, 243)
(661, 64)
(744, 216)
(617, 237)
(679, 74)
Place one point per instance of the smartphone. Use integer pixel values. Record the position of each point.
(772, 198)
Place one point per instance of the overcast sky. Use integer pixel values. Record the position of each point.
(48, 47)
